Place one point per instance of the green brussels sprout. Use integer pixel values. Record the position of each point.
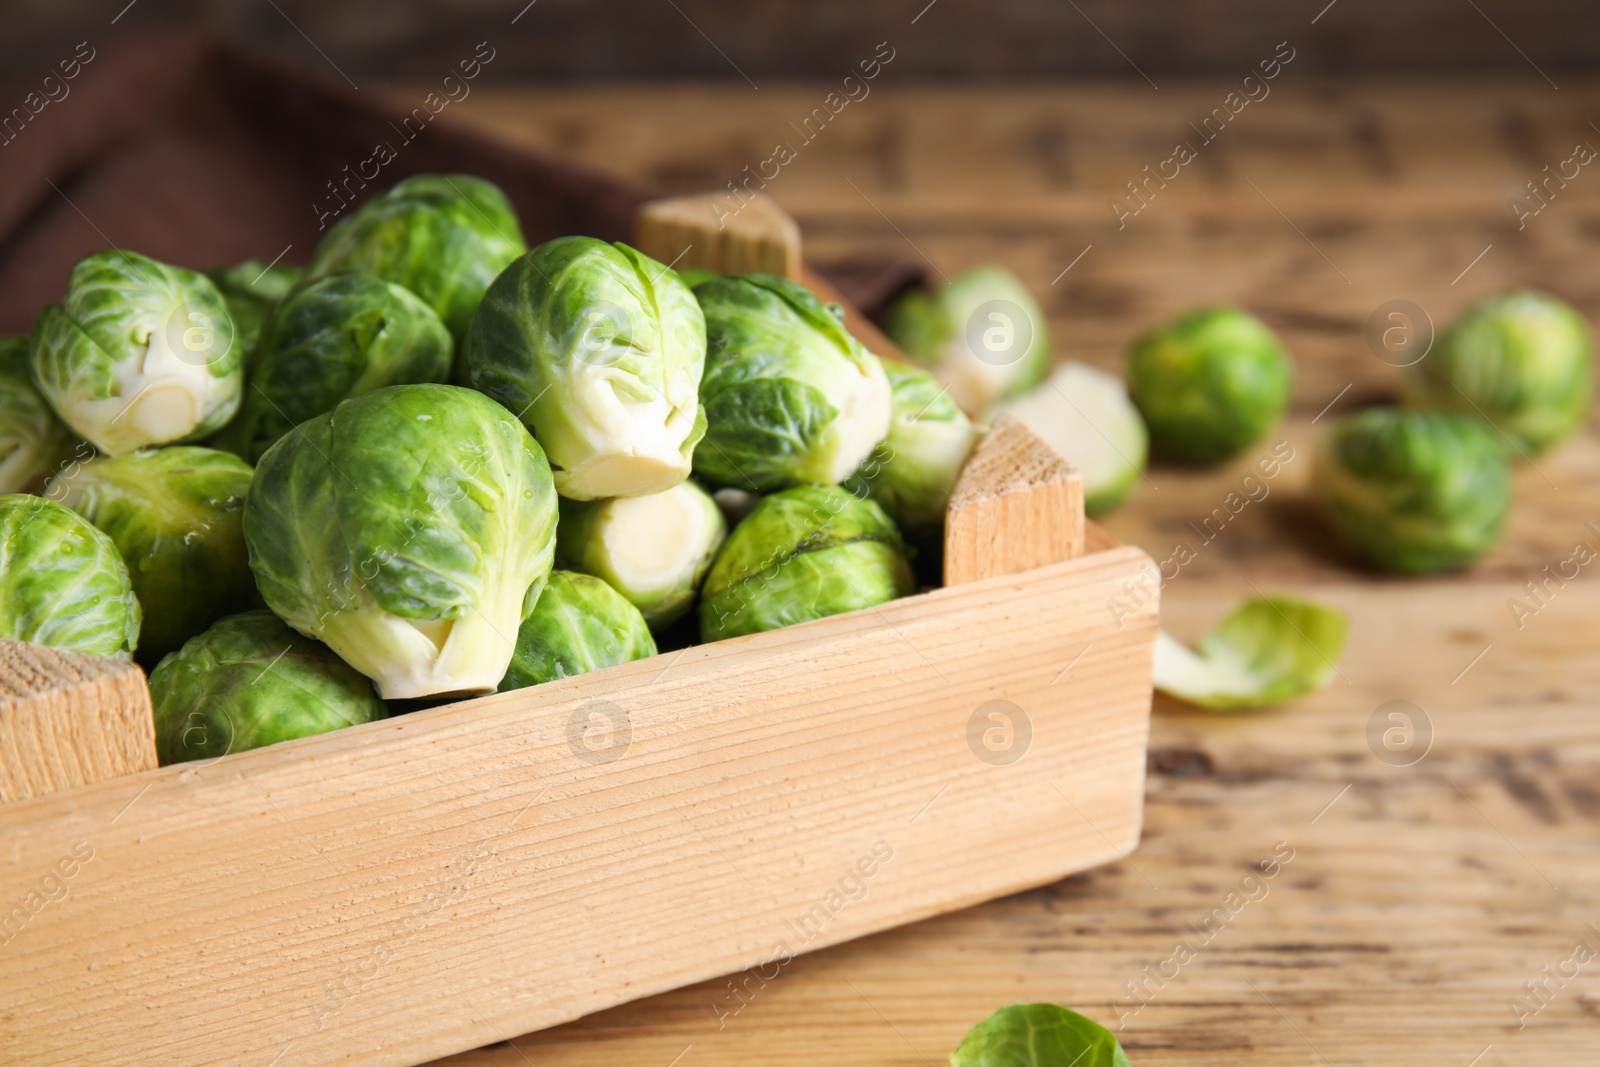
(1522, 360)
(138, 354)
(1038, 1035)
(1266, 651)
(799, 555)
(443, 236)
(912, 473)
(1414, 491)
(579, 624)
(333, 338)
(599, 350)
(174, 515)
(693, 276)
(790, 397)
(410, 528)
(32, 439)
(654, 550)
(250, 681)
(1209, 384)
(62, 582)
(982, 334)
(251, 290)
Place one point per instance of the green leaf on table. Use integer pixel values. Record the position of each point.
(1268, 650)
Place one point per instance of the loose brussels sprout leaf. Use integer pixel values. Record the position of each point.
(409, 529)
(1522, 360)
(173, 514)
(654, 550)
(1209, 384)
(250, 681)
(599, 349)
(443, 236)
(251, 289)
(1414, 491)
(62, 582)
(1086, 416)
(982, 334)
(1038, 1035)
(32, 441)
(1268, 650)
(803, 554)
(139, 354)
(912, 473)
(791, 398)
(579, 624)
(334, 338)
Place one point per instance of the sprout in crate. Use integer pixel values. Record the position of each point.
(1038, 1035)
(693, 276)
(62, 582)
(250, 681)
(32, 439)
(598, 349)
(1086, 416)
(1414, 491)
(791, 398)
(174, 515)
(139, 354)
(654, 550)
(1522, 360)
(579, 624)
(251, 290)
(443, 236)
(982, 334)
(1209, 384)
(912, 473)
(803, 554)
(409, 529)
(333, 338)
(1266, 651)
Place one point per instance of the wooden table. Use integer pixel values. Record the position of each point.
(1419, 898)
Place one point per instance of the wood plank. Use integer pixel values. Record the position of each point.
(728, 234)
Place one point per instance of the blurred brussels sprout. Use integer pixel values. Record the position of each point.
(409, 529)
(443, 236)
(654, 550)
(982, 334)
(1209, 384)
(1038, 1035)
(138, 354)
(1414, 491)
(579, 624)
(32, 440)
(251, 289)
(333, 338)
(790, 397)
(62, 582)
(693, 276)
(173, 514)
(250, 681)
(912, 473)
(1266, 651)
(599, 350)
(1522, 360)
(803, 554)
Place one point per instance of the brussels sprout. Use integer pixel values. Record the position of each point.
(693, 276)
(803, 554)
(1522, 360)
(138, 354)
(443, 236)
(173, 514)
(1038, 1035)
(409, 529)
(1085, 415)
(62, 582)
(599, 350)
(654, 550)
(579, 624)
(333, 338)
(251, 289)
(1414, 491)
(1267, 650)
(981, 334)
(250, 681)
(32, 441)
(1209, 384)
(913, 472)
(791, 398)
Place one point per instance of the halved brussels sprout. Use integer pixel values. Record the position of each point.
(251, 290)
(173, 514)
(250, 681)
(654, 550)
(1267, 650)
(912, 473)
(62, 582)
(1414, 491)
(32, 441)
(579, 624)
(790, 397)
(443, 236)
(803, 554)
(138, 354)
(599, 350)
(1038, 1035)
(410, 528)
